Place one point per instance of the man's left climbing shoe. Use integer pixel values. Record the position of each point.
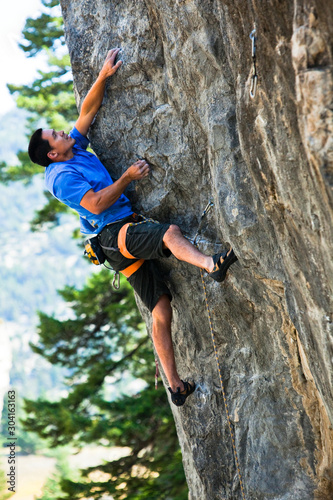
(178, 398)
(220, 268)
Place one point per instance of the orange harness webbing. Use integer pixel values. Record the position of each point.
(132, 268)
(122, 242)
(128, 271)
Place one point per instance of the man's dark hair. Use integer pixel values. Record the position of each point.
(38, 149)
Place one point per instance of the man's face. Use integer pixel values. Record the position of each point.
(60, 142)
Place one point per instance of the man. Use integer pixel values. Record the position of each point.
(130, 242)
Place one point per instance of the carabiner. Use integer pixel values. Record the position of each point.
(253, 38)
(116, 277)
(209, 205)
(253, 88)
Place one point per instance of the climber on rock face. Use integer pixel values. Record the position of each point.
(130, 242)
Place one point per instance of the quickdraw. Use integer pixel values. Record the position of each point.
(209, 206)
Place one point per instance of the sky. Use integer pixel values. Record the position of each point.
(16, 68)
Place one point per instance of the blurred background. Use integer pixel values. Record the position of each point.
(30, 261)
(88, 421)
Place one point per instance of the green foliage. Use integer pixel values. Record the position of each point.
(50, 96)
(44, 32)
(101, 344)
(22, 172)
(26, 442)
(48, 215)
(49, 100)
(105, 321)
(52, 489)
(4, 494)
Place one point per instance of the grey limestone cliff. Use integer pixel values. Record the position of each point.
(182, 101)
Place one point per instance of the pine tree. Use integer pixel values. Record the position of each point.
(4, 493)
(103, 342)
(49, 99)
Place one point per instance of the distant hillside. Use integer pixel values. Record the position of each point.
(12, 134)
(34, 266)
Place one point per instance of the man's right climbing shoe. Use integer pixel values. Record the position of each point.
(178, 398)
(220, 268)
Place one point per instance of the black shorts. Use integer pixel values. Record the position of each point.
(144, 240)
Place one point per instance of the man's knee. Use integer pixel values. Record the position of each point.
(172, 232)
(173, 229)
(162, 312)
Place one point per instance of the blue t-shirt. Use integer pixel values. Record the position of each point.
(69, 181)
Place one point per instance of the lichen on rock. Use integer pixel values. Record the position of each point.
(181, 100)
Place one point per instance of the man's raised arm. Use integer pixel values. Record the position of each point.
(94, 98)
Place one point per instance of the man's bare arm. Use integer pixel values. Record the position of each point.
(97, 202)
(94, 98)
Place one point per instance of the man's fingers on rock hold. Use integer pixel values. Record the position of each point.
(112, 54)
(141, 163)
(144, 169)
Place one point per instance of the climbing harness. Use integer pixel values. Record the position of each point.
(254, 78)
(123, 249)
(207, 209)
(94, 251)
(122, 241)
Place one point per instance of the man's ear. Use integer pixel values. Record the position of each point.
(52, 155)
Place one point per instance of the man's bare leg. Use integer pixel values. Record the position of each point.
(184, 250)
(162, 315)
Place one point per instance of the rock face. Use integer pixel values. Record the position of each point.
(181, 100)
